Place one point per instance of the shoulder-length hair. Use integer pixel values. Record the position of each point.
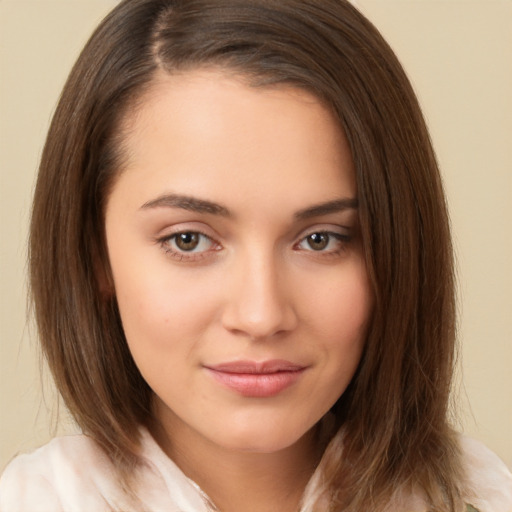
(394, 413)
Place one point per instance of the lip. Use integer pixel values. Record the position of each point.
(257, 379)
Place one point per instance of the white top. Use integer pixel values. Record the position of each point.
(72, 474)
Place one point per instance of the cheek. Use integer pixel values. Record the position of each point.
(163, 326)
(342, 308)
(339, 315)
(163, 311)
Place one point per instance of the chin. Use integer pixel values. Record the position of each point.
(266, 439)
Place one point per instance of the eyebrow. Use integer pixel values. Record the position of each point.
(334, 206)
(197, 205)
(189, 203)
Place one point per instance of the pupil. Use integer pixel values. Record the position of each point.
(187, 241)
(318, 241)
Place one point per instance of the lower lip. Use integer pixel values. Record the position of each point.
(257, 385)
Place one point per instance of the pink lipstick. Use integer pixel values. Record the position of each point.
(257, 380)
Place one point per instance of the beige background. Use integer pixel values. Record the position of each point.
(459, 56)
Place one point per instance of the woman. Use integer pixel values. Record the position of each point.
(242, 273)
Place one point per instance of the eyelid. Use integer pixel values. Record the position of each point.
(334, 229)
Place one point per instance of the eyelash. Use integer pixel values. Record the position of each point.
(192, 256)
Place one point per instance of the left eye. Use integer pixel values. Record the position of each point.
(321, 241)
(189, 241)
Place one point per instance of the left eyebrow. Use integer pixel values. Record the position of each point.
(334, 206)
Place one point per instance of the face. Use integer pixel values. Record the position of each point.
(236, 257)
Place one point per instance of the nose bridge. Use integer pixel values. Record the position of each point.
(259, 304)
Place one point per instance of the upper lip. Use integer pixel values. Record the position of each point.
(255, 367)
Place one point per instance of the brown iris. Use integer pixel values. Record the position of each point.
(187, 241)
(318, 241)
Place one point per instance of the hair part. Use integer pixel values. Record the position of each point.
(394, 413)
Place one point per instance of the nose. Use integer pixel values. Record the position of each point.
(259, 304)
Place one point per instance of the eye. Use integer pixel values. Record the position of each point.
(324, 241)
(187, 243)
(318, 241)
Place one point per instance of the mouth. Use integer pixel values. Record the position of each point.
(257, 379)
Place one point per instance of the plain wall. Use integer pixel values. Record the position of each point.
(458, 55)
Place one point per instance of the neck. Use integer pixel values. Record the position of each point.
(238, 481)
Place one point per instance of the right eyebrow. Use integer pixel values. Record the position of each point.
(189, 203)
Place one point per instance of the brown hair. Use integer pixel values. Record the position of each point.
(394, 413)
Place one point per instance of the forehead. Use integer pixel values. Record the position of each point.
(206, 132)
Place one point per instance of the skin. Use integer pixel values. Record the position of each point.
(258, 285)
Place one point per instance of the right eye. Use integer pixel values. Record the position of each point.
(187, 244)
(190, 241)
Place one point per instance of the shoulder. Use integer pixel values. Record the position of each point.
(57, 476)
(73, 473)
(489, 482)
